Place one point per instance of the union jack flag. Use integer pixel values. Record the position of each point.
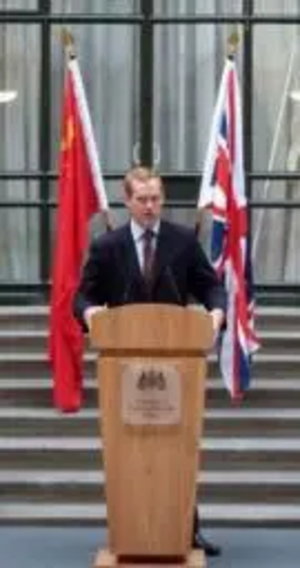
(223, 190)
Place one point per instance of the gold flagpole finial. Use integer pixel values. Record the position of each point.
(68, 42)
(232, 43)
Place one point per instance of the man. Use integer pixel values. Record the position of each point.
(149, 260)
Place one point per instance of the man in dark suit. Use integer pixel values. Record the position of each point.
(149, 260)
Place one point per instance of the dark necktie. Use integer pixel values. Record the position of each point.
(148, 255)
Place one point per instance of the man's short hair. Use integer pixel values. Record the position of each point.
(139, 173)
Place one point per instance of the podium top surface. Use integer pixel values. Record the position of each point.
(152, 327)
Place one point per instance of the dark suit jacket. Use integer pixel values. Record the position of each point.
(112, 275)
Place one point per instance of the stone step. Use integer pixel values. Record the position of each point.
(51, 514)
(37, 317)
(214, 487)
(28, 477)
(277, 317)
(36, 364)
(38, 393)
(54, 462)
(250, 515)
(22, 422)
(85, 443)
(86, 453)
(26, 341)
(247, 422)
(20, 383)
(94, 514)
(24, 317)
(285, 341)
(273, 422)
(35, 341)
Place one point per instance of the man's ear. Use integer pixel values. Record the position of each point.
(126, 199)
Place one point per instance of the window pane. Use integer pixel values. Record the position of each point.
(19, 243)
(190, 7)
(18, 4)
(274, 234)
(184, 215)
(96, 6)
(288, 7)
(109, 61)
(276, 106)
(22, 191)
(188, 65)
(268, 190)
(19, 120)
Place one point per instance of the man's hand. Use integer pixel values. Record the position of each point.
(88, 313)
(218, 319)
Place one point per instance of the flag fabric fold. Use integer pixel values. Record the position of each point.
(223, 191)
(80, 194)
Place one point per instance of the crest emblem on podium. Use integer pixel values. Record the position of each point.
(151, 393)
(151, 379)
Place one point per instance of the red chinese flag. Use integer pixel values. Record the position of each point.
(77, 201)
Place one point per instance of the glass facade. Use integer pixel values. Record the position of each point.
(151, 70)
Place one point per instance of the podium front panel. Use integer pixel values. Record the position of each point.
(151, 422)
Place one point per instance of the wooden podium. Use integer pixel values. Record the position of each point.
(151, 371)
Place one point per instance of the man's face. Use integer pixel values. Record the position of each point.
(146, 201)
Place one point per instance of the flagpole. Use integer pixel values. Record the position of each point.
(69, 45)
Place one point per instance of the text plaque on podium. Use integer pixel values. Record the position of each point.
(151, 393)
